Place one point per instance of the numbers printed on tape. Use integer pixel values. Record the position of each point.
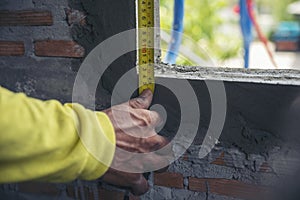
(146, 44)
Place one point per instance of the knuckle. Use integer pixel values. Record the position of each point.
(151, 118)
(145, 118)
(154, 143)
(137, 103)
(136, 179)
(161, 141)
(145, 145)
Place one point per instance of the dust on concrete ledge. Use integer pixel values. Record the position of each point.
(268, 76)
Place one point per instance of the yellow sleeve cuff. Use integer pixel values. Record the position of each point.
(97, 136)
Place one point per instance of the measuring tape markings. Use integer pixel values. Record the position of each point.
(146, 45)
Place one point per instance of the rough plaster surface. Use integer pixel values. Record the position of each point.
(283, 77)
(255, 112)
(106, 18)
(16, 4)
(162, 193)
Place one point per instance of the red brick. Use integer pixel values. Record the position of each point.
(58, 48)
(220, 160)
(25, 18)
(231, 188)
(265, 167)
(167, 179)
(11, 48)
(197, 184)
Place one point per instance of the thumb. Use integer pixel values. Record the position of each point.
(143, 101)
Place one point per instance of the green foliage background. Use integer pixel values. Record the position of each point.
(277, 8)
(204, 19)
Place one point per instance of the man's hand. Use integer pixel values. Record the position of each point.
(135, 132)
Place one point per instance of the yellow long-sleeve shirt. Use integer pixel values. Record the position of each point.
(39, 140)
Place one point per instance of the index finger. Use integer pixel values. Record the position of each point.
(155, 143)
(143, 101)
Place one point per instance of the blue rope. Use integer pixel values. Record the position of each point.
(246, 27)
(176, 32)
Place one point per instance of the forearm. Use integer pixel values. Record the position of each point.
(39, 140)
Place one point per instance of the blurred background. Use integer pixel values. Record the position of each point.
(212, 33)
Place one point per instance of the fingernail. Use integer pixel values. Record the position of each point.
(146, 93)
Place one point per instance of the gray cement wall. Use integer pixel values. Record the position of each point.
(106, 18)
(261, 126)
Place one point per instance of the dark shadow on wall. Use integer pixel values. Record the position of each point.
(103, 19)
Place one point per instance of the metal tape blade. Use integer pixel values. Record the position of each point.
(146, 45)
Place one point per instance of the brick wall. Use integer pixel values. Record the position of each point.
(214, 177)
(38, 54)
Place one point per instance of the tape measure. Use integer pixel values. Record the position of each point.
(146, 45)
